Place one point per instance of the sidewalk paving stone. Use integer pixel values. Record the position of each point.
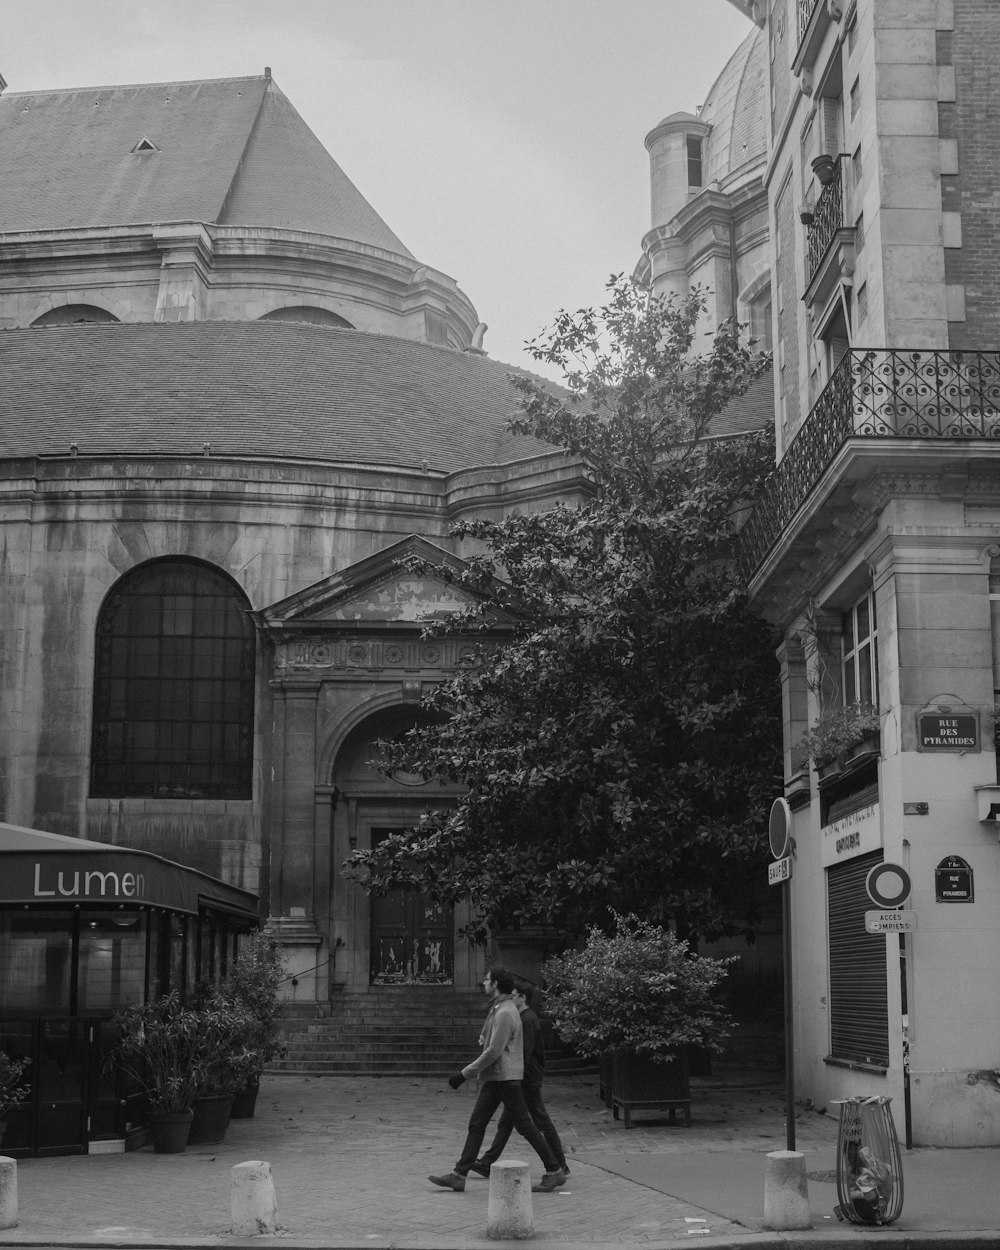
(350, 1159)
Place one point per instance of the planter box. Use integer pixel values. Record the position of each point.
(211, 1118)
(639, 1084)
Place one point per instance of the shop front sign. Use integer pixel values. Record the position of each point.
(852, 835)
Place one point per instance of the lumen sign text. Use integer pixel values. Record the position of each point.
(87, 883)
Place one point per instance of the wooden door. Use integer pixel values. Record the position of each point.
(412, 938)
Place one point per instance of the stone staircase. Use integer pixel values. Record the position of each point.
(397, 1030)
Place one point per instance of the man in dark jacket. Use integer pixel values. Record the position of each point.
(500, 1069)
(534, 1072)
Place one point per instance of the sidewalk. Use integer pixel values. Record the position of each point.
(350, 1159)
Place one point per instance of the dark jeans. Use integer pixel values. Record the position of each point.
(532, 1091)
(510, 1094)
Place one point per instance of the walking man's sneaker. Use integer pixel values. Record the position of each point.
(454, 1180)
(550, 1182)
(480, 1169)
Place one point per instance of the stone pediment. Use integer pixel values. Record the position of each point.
(377, 590)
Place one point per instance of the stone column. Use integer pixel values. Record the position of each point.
(293, 837)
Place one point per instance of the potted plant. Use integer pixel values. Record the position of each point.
(841, 734)
(12, 1094)
(639, 996)
(226, 1034)
(161, 1046)
(824, 167)
(252, 985)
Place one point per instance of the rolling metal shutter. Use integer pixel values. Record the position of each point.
(859, 1009)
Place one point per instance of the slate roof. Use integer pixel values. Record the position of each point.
(274, 390)
(753, 410)
(231, 151)
(263, 389)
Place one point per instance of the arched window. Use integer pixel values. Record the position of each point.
(75, 314)
(312, 316)
(174, 686)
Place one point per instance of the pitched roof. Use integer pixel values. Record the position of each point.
(753, 410)
(271, 389)
(230, 150)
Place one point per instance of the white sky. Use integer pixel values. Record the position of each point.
(502, 140)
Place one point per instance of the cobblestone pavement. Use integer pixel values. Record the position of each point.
(350, 1159)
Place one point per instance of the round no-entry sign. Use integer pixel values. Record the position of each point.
(888, 885)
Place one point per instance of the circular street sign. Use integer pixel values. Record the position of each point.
(779, 828)
(888, 885)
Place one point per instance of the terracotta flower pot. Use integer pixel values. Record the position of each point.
(825, 168)
(245, 1102)
(170, 1130)
(211, 1118)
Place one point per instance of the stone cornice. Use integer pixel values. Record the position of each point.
(842, 512)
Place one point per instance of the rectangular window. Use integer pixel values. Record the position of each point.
(859, 1006)
(859, 660)
(694, 161)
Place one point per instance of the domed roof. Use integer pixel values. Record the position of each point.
(736, 109)
(256, 389)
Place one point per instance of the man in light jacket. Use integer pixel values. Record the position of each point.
(531, 1086)
(500, 1069)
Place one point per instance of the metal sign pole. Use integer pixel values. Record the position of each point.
(786, 931)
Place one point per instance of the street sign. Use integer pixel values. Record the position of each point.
(953, 881)
(780, 870)
(888, 885)
(779, 828)
(890, 921)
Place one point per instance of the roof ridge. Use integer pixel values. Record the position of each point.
(247, 138)
(134, 86)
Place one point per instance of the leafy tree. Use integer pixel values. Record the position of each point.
(619, 746)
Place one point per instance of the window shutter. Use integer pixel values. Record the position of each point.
(859, 1007)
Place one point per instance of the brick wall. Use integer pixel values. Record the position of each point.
(973, 49)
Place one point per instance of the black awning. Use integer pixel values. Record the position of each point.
(48, 868)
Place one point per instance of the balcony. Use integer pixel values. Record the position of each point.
(806, 9)
(875, 394)
(828, 218)
(814, 18)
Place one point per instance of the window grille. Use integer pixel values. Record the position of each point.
(174, 687)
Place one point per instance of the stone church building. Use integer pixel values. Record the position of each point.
(231, 402)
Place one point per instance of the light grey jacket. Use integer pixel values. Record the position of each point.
(503, 1048)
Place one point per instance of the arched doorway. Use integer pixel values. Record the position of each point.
(402, 937)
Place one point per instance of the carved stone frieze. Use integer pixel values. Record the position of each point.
(347, 655)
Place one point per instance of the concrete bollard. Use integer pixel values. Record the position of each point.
(253, 1205)
(8, 1192)
(508, 1213)
(786, 1191)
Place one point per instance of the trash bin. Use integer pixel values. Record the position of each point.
(869, 1166)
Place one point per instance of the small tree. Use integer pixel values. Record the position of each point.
(636, 991)
(620, 749)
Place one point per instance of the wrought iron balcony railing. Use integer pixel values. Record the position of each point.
(828, 218)
(876, 393)
(805, 13)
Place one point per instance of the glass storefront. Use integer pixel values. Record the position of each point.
(68, 963)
